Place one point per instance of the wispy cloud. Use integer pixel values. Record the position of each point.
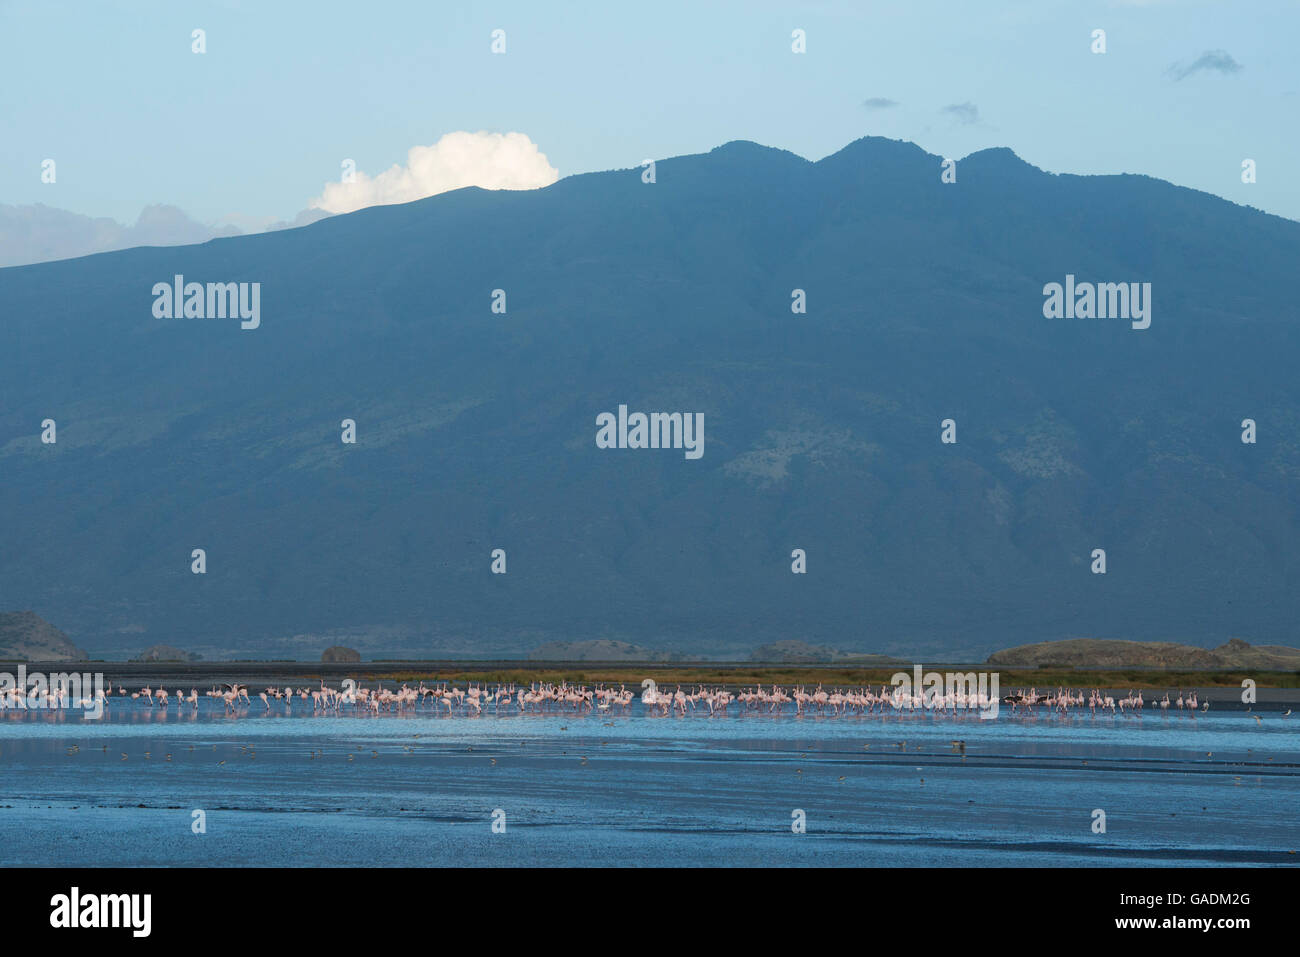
(879, 103)
(1218, 61)
(963, 112)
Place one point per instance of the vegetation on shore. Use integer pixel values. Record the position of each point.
(632, 676)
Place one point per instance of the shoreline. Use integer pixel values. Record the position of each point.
(1222, 687)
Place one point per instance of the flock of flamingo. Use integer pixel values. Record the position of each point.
(546, 698)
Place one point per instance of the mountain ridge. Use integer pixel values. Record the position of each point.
(476, 430)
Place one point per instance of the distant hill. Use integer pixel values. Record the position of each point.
(1100, 653)
(166, 653)
(793, 651)
(476, 430)
(599, 649)
(338, 653)
(39, 233)
(25, 636)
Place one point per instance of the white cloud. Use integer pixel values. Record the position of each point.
(489, 160)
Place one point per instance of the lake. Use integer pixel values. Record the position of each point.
(421, 789)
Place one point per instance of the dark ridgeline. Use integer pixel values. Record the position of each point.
(477, 431)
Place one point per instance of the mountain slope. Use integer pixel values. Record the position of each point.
(1092, 653)
(25, 636)
(477, 430)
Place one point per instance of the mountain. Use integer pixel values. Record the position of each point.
(599, 650)
(1093, 653)
(477, 430)
(166, 653)
(794, 651)
(26, 636)
(40, 233)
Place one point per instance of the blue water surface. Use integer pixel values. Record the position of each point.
(599, 789)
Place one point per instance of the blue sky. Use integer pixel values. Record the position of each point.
(261, 122)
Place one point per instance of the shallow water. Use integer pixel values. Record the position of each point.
(420, 789)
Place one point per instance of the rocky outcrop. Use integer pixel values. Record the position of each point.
(26, 636)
